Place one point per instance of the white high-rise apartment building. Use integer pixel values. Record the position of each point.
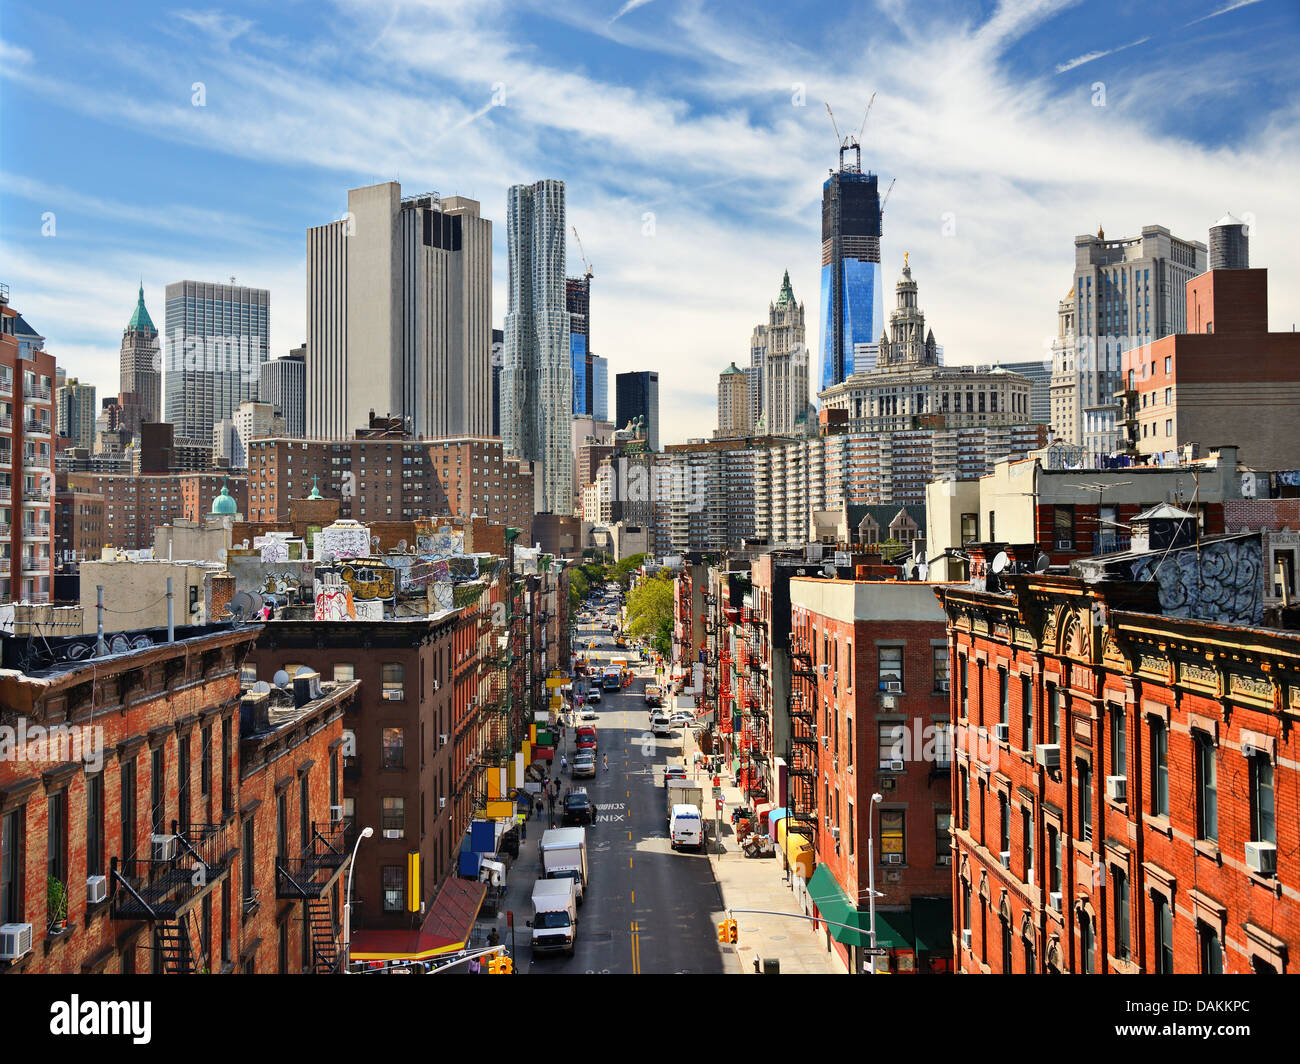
(537, 373)
(399, 315)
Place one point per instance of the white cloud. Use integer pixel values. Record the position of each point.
(1223, 11)
(629, 7)
(1078, 61)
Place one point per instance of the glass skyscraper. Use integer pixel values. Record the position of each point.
(852, 300)
(600, 388)
(216, 339)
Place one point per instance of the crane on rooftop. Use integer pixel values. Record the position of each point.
(588, 273)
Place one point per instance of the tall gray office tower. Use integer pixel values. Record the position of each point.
(140, 362)
(537, 371)
(1126, 293)
(284, 386)
(600, 387)
(216, 339)
(399, 315)
(637, 396)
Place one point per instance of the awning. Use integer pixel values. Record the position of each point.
(445, 930)
(798, 851)
(776, 814)
(894, 930)
(932, 921)
(833, 905)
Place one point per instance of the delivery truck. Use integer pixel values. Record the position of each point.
(686, 828)
(564, 856)
(555, 916)
(654, 695)
(683, 792)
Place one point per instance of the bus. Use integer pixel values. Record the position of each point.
(612, 680)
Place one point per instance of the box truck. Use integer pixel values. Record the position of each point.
(564, 855)
(555, 916)
(683, 792)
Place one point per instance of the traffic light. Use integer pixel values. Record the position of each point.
(499, 965)
(727, 931)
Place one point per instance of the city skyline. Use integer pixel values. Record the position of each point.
(1012, 211)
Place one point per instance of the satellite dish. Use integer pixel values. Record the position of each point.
(261, 688)
(243, 605)
(828, 569)
(1041, 563)
(303, 670)
(281, 679)
(1001, 562)
(922, 571)
(401, 545)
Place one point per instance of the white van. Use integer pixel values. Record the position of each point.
(686, 827)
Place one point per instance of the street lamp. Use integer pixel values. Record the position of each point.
(871, 874)
(347, 906)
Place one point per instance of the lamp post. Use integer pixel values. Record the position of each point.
(871, 875)
(347, 906)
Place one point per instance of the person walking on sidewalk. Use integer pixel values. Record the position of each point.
(606, 762)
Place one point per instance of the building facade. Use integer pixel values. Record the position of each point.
(283, 384)
(779, 360)
(75, 412)
(136, 505)
(140, 365)
(733, 404)
(217, 337)
(638, 397)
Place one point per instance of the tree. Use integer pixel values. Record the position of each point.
(623, 570)
(650, 609)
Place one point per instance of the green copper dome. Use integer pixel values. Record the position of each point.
(787, 293)
(315, 491)
(140, 320)
(223, 503)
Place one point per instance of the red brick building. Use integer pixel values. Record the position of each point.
(1124, 791)
(135, 506)
(869, 703)
(1226, 380)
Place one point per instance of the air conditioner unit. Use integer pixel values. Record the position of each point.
(392, 833)
(1054, 900)
(965, 938)
(1029, 877)
(893, 858)
(945, 858)
(164, 847)
(1116, 788)
(896, 766)
(336, 813)
(442, 740)
(1002, 732)
(824, 670)
(943, 685)
(896, 686)
(1261, 857)
(442, 802)
(96, 889)
(15, 941)
(1005, 858)
(1065, 544)
(1048, 755)
(887, 783)
(888, 702)
(835, 834)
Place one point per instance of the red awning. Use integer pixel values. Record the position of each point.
(446, 928)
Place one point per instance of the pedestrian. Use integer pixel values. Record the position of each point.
(606, 762)
(523, 831)
(493, 938)
(564, 763)
(539, 809)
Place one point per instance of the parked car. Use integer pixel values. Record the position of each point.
(661, 724)
(682, 717)
(578, 808)
(584, 765)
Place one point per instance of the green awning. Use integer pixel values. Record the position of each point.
(834, 907)
(894, 930)
(932, 919)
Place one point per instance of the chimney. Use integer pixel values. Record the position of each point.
(254, 712)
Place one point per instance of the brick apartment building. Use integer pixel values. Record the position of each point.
(1125, 782)
(135, 505)
(869, 702)
(78, 526)
(26, 462)
(1227, 379)
(153, 792)
(394, 478)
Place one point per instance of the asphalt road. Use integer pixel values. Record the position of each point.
(648, 909)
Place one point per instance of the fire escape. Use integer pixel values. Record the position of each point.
(507, 686)
(802, 809)
(309, 878)
(165, 889)
(726, 701)
(753, 716)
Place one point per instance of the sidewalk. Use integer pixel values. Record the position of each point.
(761, 883)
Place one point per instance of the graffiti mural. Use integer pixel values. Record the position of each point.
(1221, 582)
(334, 602)
(292, 580)
(342, 539)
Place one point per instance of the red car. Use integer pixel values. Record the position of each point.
(587, 739)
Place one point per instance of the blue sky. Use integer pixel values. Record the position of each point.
(709, 116)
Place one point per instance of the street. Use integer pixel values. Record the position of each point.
(648, 909)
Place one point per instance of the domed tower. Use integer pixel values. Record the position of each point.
(909, 343)
(224, 504)
(140, 361)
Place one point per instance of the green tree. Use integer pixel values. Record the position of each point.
(623, 571)
(650, 609)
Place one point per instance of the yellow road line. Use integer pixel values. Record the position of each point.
(636, 950)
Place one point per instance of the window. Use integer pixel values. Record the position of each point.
(1006, 946)
(1211, 951)
(11, 866)
(225, 921)
(1084, 771)
(394, 683)
(1159, 768)
(939, 656)
(1053, 859)
(95, 825)
(1027, 842)
(57, 836)
(965, 694)
(394, 818)
(1118, 741)
(1162, 925)
(1169, 426)
(394, 889)
(128, 811)
(851, 825)
(942, 744)
(157, 793)
(891, 667)
(1027, 711)
(345, 672)
(183, 782)
(227, 783)
(1169, 364)
(1262, 822)
(1031, 964)
(965, 906)
(282, 825)
(942, 836)
(891, 742)
(1053, 714)
(1064, 527)
(1207, 791)
(892, 823)
(1086, 945)
(1004, 697)
(848, 734)
(1004, 824)
(205, 762)
(965, 799)
(304, 810)
(970, 527)
(1119, 879)
(394, 747)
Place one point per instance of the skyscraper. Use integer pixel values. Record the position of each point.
(600, 388)
(537, 370)
(778, 351)
(577, 301)
(498, 357)
(638, 396)
(284, 385)
(141, 369)
(852, 299)
(399, 315)
(75, 413)
(216, 342)
(733, 404)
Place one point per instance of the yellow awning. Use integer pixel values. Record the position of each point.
(798, 850)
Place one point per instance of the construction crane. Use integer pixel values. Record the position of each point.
(835, 126)
(863, 127)
(589, 273)
(887, 192)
